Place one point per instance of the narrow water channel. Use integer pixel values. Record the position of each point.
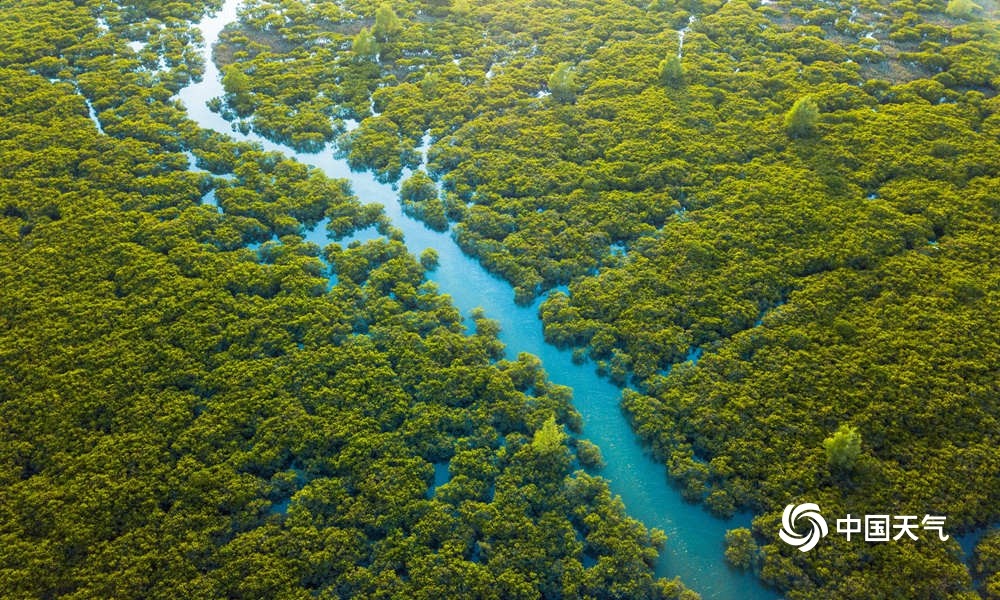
(694, 550)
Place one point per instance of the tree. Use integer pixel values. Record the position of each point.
(843, 448)
(562, 83)
(986, 564)
(460, 8)
(549, 438)
(235, 81)
(589, 455)
(237, 86)
(365, 46)
(429, 259)
(671, 71)
(418, 188)
(420, 199)
(961, 9)
(800, 122)
(741, 550)
(386, 22)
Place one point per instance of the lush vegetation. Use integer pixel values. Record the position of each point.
(987, 565)
(188, 408)
(572, 129)
(804, 191)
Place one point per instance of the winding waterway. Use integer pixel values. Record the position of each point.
(694, 550)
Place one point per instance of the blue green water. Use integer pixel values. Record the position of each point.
(694, 550)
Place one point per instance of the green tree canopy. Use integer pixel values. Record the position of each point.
(843, 448)
(671, 71)
(235, 81)
(365, 46)
(429, 259)
(962, 9)
(562, 83)
(800, 122)
(238, 89)
(986, 564)
(549, 438)
(589, 455)
(387, 23)
(741, 549)
(418, 188)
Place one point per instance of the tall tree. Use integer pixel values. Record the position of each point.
(237, 86)
(671, 71)
(387, 23)
(962, 9)
(800, 122)
(843, 448)
(562, 83)
(365, 46)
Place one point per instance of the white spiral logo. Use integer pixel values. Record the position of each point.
(817, 530)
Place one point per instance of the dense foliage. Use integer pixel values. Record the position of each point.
(188, 408)
(807, 192)
(987, 565)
